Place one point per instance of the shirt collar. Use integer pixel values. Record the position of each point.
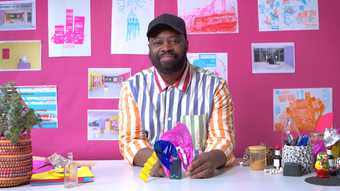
(181, 84)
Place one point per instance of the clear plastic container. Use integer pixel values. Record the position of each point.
(70, 172)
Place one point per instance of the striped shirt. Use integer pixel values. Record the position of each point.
(149, 107)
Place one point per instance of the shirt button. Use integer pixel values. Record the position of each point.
(169, 118)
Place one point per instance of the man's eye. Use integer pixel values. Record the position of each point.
(157, 42)
(174, 41)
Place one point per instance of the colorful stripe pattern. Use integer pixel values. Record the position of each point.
(149, 107)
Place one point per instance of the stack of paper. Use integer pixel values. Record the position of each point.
(56, 176)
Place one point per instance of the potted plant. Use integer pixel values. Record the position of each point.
(16, 121)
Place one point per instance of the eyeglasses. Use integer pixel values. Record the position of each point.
(158, 42)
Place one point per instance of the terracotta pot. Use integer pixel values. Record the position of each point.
(15, 162)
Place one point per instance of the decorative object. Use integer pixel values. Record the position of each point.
(16, 121)
(300, 155)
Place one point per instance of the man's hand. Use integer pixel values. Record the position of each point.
(157, 170)
(206, 163)
(142, 156)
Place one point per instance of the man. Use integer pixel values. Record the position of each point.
(154, 100)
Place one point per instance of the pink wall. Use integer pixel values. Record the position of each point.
(317, 65)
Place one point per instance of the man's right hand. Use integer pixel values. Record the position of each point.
(157, 170)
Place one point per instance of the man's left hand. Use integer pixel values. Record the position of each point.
(206, 163)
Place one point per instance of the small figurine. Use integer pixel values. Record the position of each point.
(321, 165)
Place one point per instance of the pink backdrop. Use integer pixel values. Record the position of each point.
(317, 65)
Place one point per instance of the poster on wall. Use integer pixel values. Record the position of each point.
(17, 15)
(106, 82)
(129, 24)
(209, 16)
(216, 63)
(102, 125)
(43, 100)
(273, 57)
(20, 55)
(278, 15)
(303, 110)
(69, 28)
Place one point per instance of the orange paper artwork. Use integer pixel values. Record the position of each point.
(308, 109)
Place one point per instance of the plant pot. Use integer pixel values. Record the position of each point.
(15, 162)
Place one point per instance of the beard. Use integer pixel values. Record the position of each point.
(176, 64)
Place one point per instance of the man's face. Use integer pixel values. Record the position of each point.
(167, 51)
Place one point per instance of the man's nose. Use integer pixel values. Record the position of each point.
(167, 45)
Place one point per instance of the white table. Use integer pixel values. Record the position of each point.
(117, 175)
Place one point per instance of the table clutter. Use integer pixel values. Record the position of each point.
(301, 154)
(56, 169)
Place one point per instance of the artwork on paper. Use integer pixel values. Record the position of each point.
(102, 125)
(43, 100)
(278, 15)
(130, 19)
(106, 82)
(209, 16)
(17, 15)
(214, 62)
(69, 29)
(273, 57)
(308, 109)
(20, 55)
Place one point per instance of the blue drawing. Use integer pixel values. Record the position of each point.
(133, 26)
(275, 15)
(135, 4)
(120, 5)
(288, 15)
(205, 60)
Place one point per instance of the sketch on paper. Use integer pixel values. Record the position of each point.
(17, 15)
(273, 57)
(69, 28)
(102, 125)
(130, 19)
(216, 63)
(72, 32)
(308, 109)
(209, 16)
(20, 55)
(43, 100)
(106, 82)
(278, 15)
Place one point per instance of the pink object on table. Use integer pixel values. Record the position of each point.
(40, 166)
(181, 137)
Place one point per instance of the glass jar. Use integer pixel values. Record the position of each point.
(257, 155)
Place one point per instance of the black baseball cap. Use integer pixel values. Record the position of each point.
(166, 21)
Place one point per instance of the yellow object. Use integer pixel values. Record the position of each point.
(58, 173)
(318, 165)
(336, 149)
(148, 165)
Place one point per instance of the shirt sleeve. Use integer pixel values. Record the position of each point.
(131, 137)
(221, 135)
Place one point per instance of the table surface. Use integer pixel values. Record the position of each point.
(118, 175)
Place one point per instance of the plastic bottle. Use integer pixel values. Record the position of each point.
(70, 172)
(277, 158)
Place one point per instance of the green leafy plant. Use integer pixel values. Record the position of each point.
(16, 119)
